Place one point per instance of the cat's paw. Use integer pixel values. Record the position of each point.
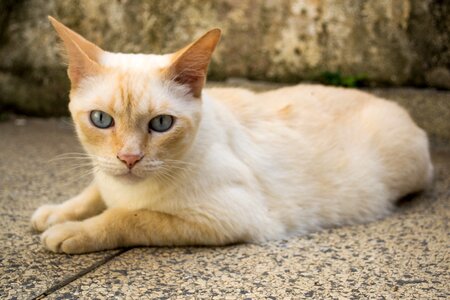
(69, 237)
(47, 216)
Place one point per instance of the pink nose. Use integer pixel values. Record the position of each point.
(130, 159)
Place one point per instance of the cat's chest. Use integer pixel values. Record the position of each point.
(141, 195)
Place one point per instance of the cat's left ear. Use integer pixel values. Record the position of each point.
(189, 65)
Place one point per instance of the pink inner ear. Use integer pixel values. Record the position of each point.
(80, 66)
(82, 54)
(189, 75)
(190, 64)
(190, 70)
(192, 77)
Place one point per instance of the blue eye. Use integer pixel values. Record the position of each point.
(101, 119)
(161, 123)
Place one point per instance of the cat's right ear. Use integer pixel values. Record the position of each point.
(82, 55)
(189, 65)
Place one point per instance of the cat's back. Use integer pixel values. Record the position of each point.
(311, 114)
(299, 102)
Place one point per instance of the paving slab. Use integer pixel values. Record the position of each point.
(27, 180)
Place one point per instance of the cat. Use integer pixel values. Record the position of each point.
(176, 164)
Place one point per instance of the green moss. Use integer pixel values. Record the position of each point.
(337, 79)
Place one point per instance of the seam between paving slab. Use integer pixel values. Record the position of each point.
(70, 279)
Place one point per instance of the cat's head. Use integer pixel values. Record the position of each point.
(136, 114)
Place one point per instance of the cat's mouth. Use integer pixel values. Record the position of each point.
(129, 176)
(134, 174)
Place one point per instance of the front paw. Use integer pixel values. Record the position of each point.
(69, 237)
(47, 216)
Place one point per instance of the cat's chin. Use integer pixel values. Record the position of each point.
(129, 177)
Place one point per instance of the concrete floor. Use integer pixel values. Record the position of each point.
(405, 256)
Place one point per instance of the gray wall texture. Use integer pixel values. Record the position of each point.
(351, 42)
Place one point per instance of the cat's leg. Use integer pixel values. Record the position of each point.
(118, 227)
(86, 204)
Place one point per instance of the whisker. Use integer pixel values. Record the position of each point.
(67, 164)
(179, 162)
(71, 155)
(167, 173)
(165, 176)
(69, 159)
(78, 177)
(74, 169)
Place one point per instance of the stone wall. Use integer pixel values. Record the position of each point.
(375, 42)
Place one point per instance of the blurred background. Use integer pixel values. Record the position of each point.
(353, 43)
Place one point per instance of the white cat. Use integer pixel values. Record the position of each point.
(178, 166)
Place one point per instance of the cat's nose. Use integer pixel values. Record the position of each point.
(130, 159)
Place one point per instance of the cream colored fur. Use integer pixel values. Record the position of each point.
(240, 166)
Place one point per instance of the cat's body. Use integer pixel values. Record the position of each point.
(241, 167)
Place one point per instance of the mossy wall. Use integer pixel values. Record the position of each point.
(377, 42)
